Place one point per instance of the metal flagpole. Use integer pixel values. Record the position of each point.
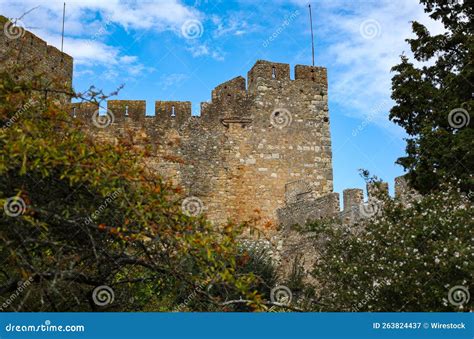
(62, 36)
(312, 36)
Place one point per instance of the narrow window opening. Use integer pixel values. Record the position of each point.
(126, 111)
(274, 75)
(173, 113)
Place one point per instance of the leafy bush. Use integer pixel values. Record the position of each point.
(407, 259)
(80, 215)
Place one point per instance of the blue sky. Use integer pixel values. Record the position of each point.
(181, 50)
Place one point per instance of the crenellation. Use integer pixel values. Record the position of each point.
(318, 75)
(230, 89)
(83, 111)
(307, 208)
(122, 109)
(175, 112)
(352, 197)
(265, 70)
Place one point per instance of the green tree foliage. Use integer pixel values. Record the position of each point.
(78, 214)
(407, 259)
(434, 98)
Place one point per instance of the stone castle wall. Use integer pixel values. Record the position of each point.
(253, 139)
(303, 208)
(33, 56)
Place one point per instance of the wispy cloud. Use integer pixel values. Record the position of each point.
(199, 50)
(234, 25)
(363, 40)
(173, 80)
(89, 23)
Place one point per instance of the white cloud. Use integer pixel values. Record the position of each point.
(234, 26)
(158, 14)
(128, 59)
(364, 40)
(172, 80)
(89, 22)
(199, 50)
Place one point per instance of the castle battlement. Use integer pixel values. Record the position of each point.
(254, 139)
(230, 101)
(302, 207)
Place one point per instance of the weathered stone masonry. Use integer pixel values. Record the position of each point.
(254, 141)
(250, 142)
(21, 47)
(261, 147)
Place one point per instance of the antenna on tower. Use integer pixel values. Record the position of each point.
(62, 35)
(312, 36)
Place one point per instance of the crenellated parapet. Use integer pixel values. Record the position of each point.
(168, 112)
(314, 74)
(269, 86)
(259, 143)
(308, 208)
(123, 109)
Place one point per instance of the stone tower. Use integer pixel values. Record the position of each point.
(258, 143)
